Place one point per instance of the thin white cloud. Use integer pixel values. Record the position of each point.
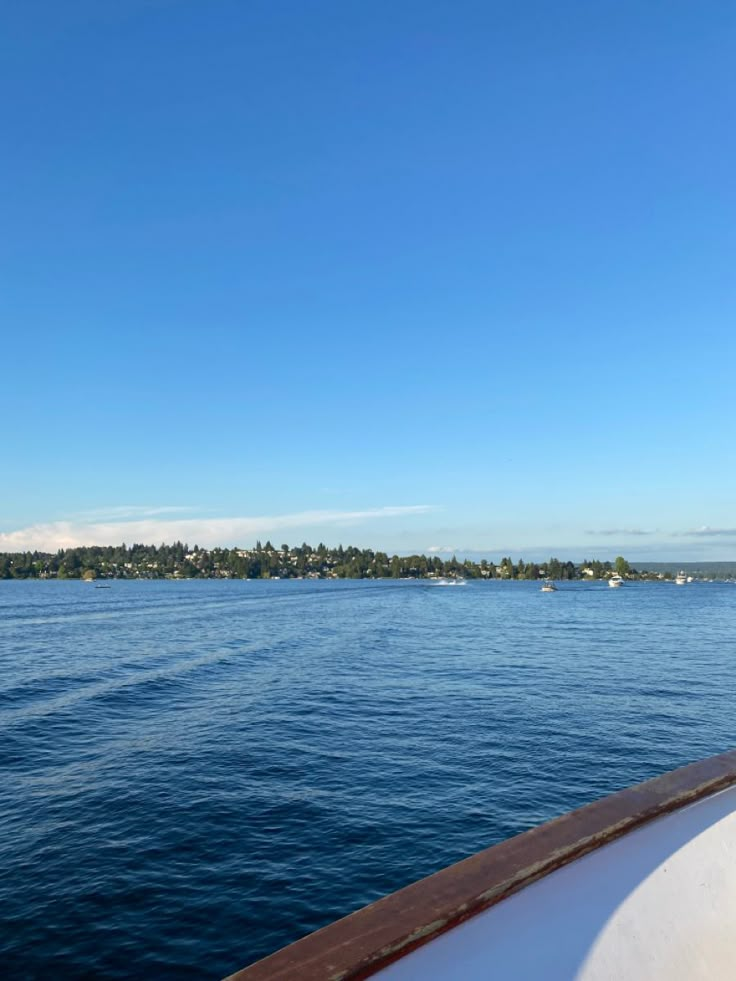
(441, 550)
(707, 532)
(611, 532)
(202, 531)
(123, 512)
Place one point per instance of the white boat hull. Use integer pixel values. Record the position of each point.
(656, 905)
(639, 886)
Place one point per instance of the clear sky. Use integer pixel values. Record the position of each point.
(449, 275)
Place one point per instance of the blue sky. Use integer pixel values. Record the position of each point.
(451, 275)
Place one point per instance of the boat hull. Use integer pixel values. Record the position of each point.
(585, 896)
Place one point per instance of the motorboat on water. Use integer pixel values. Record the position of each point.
(548, 586)
(639, 885)
(680, 579)
(615, 582)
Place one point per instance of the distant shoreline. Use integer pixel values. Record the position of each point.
(179, 561)
(109, 580)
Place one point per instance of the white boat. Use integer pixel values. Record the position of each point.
(615, 582)
(680, 578)
(638, 886)
(548, 586)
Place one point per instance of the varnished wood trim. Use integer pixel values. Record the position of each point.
(357, 946)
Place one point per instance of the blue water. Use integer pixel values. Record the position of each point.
(195, 773)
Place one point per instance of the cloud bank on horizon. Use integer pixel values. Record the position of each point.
(706, 532)
(147, 527)
(397, 528)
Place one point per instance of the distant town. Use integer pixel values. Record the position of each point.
(179, 561)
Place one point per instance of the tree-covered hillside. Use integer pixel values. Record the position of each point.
(179, 561)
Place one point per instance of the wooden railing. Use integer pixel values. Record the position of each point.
(366, 941)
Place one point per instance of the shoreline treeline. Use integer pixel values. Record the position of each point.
(179, 561)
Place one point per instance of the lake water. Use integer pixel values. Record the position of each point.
(196, 773)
